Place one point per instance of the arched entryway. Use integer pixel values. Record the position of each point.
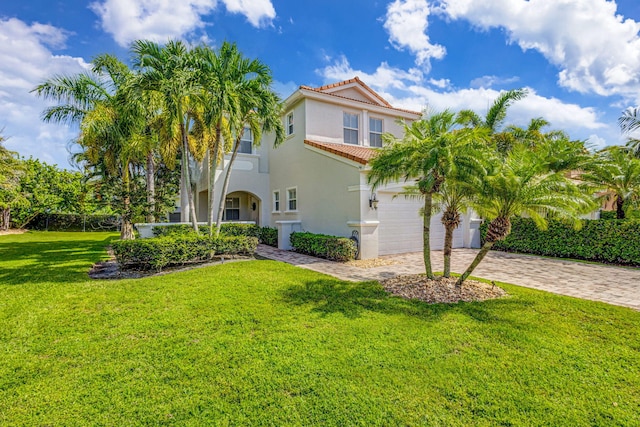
(242, 206)
(239, 206)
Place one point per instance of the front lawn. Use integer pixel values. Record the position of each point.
(265, 343)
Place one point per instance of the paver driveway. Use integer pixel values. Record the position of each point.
(615, 285)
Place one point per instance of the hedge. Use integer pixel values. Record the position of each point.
(266, 235)
(608, 241)
(159, 252)
(324, 246)
(269, 236)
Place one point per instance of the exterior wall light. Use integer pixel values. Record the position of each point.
(373, 201)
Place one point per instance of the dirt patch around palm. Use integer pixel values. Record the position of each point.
(441, 290)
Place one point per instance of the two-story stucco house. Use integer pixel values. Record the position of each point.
(316, 180)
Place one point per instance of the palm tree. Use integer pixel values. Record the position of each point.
(617, 172)
(260, 112)
(235, 94)
(170, 71)
(496, 114)
(109, 119)
(428, 153)
(629, 122)
(523, 183)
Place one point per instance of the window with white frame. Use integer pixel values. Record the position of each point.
(290, 123)
(232, 209)
(246, 142)
(375, 132)
(276, 201)
(350, 124)
(292, 199)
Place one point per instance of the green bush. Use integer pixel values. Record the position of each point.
(324, 246)
(608, 215)
(233, 229)
(608, 241)
(269, 236)
(266, 235)
(159, 252)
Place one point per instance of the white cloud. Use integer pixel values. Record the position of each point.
(490, 81)
(409, 90)
(160, 20)
(595, 49)
(407, 22)
(25, 61)
(258, 12)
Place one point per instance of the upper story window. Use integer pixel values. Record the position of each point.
(246, 142)
(350, 123)
(375, 132)
(292, 199)
(290, 123)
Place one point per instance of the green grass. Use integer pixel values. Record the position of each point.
(265, 343)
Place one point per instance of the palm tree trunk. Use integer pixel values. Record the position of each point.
(448, 243)
(426, 234)
(151, 187)
(126, 228)
(620, 207)
(225, 186)
(498, 229)
(213, 166)
(187, 178)
(479, 257)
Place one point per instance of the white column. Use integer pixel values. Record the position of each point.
(285, 228)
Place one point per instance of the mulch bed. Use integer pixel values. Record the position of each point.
(440, 290)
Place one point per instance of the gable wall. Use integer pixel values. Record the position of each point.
(324, 121)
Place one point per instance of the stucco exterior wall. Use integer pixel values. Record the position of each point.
(325, 121)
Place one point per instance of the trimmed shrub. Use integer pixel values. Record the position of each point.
(269, 236)
(159, 252)
(324, 246)
(266, 235)
(233, 229)
(608, 241)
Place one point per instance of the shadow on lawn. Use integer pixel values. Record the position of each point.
(49, 261)
(328, 296)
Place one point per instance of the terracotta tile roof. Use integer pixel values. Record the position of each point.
(323, 89)
(356, 153)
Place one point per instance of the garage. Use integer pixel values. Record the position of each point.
(400, 228)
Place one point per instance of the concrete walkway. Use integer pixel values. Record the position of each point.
(614, 285)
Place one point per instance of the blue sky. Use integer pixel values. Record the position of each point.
(579, 59)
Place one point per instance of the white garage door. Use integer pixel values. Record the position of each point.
(400, 228)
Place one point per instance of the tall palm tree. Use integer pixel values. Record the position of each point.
(170, 70)
(523, 183)
(617, 172)
(429, 151)
(259, 112)
(235, 92)
(109, 119)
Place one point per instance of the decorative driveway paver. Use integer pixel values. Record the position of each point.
(614, 285)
